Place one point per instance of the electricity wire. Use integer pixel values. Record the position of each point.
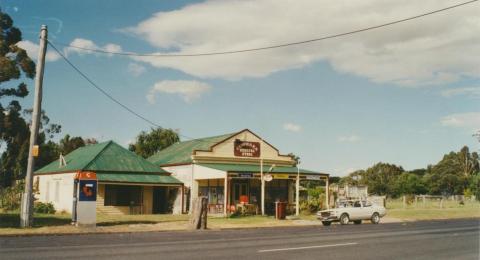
(266, 47)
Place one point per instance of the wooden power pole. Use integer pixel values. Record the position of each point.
(26, 214)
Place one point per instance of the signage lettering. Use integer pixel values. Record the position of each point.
(280, 176)
(246, 149)
(314, 177)
(245, 175)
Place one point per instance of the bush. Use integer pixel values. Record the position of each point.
(11, 197)
(315, 201)
(44, 208)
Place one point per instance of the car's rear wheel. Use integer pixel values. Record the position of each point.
(357, 222)
(375, 218)
(344, 219)
(326, 223)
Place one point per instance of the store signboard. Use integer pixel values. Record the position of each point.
(314, 177)
(245, 175)
(246, 149)
(280, 176)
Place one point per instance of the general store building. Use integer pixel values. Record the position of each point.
(228, 169)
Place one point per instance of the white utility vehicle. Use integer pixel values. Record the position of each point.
(352, 210)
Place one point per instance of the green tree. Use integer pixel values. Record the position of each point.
(15, 66)
(68, 144)
(474, 185)
(147, 144)
(452, 174)
(381, 178)
(409, 183)
(354, 178)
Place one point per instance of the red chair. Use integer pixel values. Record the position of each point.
(244, 199)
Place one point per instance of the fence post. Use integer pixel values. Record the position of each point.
(416, 200)
(198, 219)
(404, 202)
(423, 197)
(441, 203)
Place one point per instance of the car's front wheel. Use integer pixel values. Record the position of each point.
(375, 218)
(344, 219)
(326, 223)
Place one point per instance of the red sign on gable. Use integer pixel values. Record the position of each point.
(246, 149)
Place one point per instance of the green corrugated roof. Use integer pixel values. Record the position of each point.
(137, 178)
(106, 157)
(182, 152)
(252, 168)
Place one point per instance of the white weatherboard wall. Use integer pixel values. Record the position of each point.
(182, 172)
(204, 173)
(190, 172)
(57, 189)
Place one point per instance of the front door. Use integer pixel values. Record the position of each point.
(240, 192)
(160, 200)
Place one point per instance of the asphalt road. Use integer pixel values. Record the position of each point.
(452, 239)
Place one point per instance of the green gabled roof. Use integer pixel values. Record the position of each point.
(181, 152)
(255, 168)
(137, 178)
(102, 157)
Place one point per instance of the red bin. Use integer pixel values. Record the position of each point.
(280, 210)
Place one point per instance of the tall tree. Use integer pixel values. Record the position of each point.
(147, 144)
(452, 174)
(68, 144)
(381, 178)
(15, 66)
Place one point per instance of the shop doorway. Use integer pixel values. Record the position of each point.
(240, 192)
(275, 190)
(160, 200)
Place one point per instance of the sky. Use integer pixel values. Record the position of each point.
(404, 94)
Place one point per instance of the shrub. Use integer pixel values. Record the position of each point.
(45, 208)
(11, 197)
(315, 200)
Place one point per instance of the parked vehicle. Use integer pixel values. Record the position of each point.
(352, 210)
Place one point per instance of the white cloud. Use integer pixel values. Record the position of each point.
(292, 127)
(473, 92)
(136, 69)
(469, 120)
(89, 44)
(348, 138)
(32, 51)
(189, 90)
(436, 49)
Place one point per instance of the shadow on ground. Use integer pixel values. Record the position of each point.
(12, 220)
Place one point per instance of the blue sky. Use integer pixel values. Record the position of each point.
(405, 95)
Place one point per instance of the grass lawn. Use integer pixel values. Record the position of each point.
(12, 220)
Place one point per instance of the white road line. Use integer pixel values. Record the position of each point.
(305, 247)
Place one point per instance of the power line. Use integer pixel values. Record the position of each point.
(272, 46)
(105, 93)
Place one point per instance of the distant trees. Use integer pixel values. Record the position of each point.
(148, 143)
(457, 173)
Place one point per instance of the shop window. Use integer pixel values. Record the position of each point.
(122, 195)
(213, 189)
